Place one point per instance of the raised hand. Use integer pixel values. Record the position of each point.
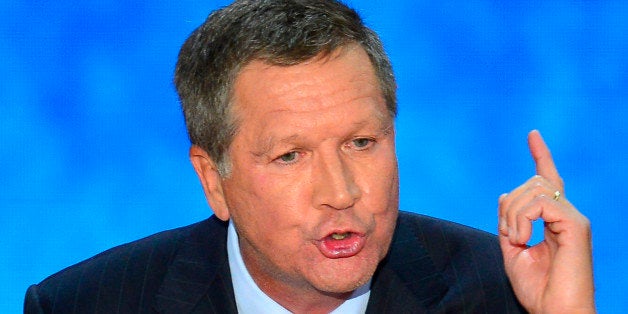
(556, 275)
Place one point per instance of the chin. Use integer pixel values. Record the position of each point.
(345, 279)
(339, 288)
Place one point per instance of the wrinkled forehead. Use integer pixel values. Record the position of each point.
(331, 96)
(347, 69)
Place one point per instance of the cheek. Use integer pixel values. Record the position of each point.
(267, 201)
(380, 185)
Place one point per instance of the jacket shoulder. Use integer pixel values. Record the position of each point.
(447, 241)
(128, 275)
(449, 267)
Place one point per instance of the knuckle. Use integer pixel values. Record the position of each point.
(561, 182)
(538, 188)
(584, 221)
(536, 181)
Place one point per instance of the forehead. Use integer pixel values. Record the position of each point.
(324, 100)
(343, 76)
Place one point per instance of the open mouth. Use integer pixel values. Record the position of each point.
(340, 236)
(341, 244)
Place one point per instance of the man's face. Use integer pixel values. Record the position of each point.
(313, 191)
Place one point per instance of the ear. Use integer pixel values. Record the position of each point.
(210, 180)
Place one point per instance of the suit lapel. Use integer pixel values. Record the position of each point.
(200, 263)
(390, 295)
(406, 280)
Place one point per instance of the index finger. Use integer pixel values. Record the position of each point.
(543, 160)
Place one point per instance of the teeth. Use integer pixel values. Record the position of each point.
(339, 236)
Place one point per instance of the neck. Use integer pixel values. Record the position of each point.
(301, 299)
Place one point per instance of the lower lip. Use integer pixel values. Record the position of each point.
(347, 247)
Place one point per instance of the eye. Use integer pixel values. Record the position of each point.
(361, 143)
(288, 158)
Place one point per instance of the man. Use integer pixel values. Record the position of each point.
(290, 108)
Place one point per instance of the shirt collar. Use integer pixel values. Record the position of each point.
(251, 299)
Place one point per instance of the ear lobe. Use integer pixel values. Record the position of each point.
(210, 180)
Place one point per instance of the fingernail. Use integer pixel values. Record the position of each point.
(501, 197)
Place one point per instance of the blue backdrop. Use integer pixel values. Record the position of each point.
(93, 150)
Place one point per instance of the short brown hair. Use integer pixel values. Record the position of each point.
(279, 32)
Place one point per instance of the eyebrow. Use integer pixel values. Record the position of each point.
(266, 144)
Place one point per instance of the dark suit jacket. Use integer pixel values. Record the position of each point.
(433, 267)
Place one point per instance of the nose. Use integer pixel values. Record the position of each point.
(334, 182)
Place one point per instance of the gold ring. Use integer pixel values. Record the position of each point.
(556, 195)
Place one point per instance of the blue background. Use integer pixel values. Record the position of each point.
(93, 150)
